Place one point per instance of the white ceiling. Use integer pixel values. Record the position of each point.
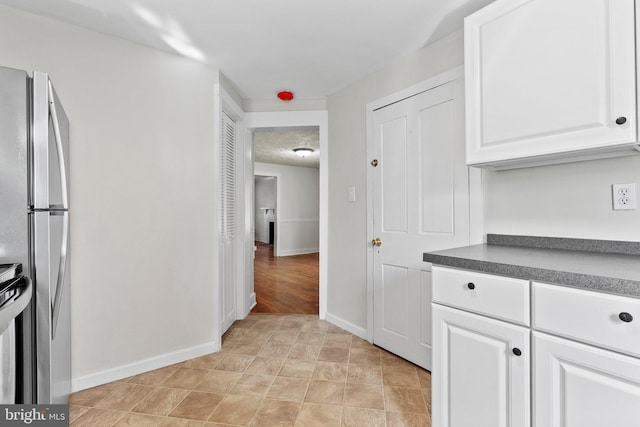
(312, 47)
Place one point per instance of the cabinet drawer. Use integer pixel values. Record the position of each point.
(494, 296)
(587, 316)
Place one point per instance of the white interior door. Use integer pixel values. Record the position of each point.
(420, 194)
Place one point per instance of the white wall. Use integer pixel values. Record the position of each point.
(298, 211)
(298, 104)
(141, 194)
(569, 200)
(265, 191)
(347, 286)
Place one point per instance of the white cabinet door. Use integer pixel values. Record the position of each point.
(478, 378)
(577, 385)
(550, 79)
(420, 203)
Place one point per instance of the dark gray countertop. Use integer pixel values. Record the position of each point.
(606, 266)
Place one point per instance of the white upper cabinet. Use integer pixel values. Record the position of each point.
(550, 81)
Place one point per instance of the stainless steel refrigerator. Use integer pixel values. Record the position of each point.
(34, 229)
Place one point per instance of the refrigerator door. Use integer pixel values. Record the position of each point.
(50, 147)
(52, 296)
(14, 113)
(50, 237)
(15, 201)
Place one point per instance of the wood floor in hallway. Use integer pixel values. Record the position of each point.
(285, 285)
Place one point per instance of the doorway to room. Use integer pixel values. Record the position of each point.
(286, 220)
(266, 190)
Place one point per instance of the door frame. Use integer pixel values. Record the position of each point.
(475, 177)
(319, 118)
(278, 178)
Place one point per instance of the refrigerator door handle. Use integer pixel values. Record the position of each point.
(62, 272)
(56, 131)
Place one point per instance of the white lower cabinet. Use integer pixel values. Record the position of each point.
(480, 371)
(564, 357)
(578, 385)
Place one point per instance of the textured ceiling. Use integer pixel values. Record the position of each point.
(312, 47)
(275, 145)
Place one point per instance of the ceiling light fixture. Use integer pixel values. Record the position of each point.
(285, 95)
(303, 152)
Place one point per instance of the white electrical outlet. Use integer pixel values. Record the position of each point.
(624, 196)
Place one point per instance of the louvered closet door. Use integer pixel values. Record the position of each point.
(228, 220)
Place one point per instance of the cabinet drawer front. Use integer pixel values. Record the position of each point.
(588, 316)
(494, 296)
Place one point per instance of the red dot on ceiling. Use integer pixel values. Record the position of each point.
(285, 95)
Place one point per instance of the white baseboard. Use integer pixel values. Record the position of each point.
(125, 371)
(347, 326)
(290, 252)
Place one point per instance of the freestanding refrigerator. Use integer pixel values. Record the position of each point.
(34, 229)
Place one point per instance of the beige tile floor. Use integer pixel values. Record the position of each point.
(272, 371)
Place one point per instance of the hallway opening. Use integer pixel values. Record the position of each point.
(300, 217)
(286, 220)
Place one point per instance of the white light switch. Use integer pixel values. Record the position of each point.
(351, 193)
